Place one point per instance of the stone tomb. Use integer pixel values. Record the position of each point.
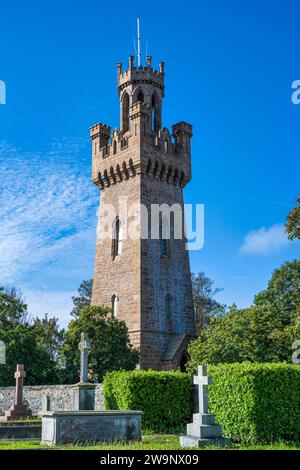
(64, 427)
(203, 430)
(84, 424)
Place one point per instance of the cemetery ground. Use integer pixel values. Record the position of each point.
(149, 442)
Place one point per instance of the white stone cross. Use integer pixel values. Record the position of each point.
(202, 380)
(84, 346)
(2, 353)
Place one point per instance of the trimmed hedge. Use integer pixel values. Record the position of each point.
(164, 397)
(256, 403)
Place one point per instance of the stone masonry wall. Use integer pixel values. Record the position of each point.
(61, 397)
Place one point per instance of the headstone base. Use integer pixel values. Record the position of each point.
(191, 441)
(84, 396)
(17, 412)
(203, 431)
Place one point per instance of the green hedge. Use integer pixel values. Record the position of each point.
(256, 402)
(164, 397)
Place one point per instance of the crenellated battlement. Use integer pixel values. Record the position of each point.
(160, 156)
(141, 75)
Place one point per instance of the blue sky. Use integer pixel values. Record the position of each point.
(229, 70)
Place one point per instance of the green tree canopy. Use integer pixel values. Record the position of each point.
(111, 348)
(83, 299)
(205, 304)
(24, 344)
(263, 332)
(293, 222)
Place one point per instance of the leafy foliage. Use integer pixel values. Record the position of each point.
(293, 222)
(84, 298)
(164, 397)
(205, 305)
(256, 403)
(24, 344)
(263, 332)
(111, 348)
(50, 335)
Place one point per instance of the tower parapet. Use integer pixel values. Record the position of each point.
(156, 152)
(145, 75)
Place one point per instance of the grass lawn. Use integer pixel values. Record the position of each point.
(155, 442)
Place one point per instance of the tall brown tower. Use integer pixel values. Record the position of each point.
(146, 278)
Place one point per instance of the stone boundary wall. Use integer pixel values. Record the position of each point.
(61, 397)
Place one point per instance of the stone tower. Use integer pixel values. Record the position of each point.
(144, 279)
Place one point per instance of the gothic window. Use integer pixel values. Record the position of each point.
(169, 311)
(115, 147)
(140, 96)
(114, 305)
(125, 113)
(155, 113)
(116, 248)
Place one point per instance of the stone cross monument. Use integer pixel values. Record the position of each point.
(202, 381)
(2, 353)
(84, 392)
(203, 430)
(18, 410)
(84, 346)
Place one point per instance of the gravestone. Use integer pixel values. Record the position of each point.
(45, 403)
(203, 430)
(19, 410)
(84, 391)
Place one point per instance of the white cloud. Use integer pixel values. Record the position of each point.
(47, 224)
(265, 240)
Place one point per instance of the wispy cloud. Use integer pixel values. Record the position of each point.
(47, 220)
(264, 240)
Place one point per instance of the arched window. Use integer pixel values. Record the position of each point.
(115, 147)
(116, 247)
(163, 243)
(169, 311)
(155, 113)
(125, 112)
(140, 97)
(114, 305)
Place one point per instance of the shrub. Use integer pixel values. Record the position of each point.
(256, 403)
(164, 397)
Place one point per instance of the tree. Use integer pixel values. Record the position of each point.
(111, 347)
(282, 295)
(205, 305)
(293, 222)
(50, 335)
(263, 332)
(84, 298)
(24, 344)
(12, 308)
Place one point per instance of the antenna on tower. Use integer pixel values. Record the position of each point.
(139, 42)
